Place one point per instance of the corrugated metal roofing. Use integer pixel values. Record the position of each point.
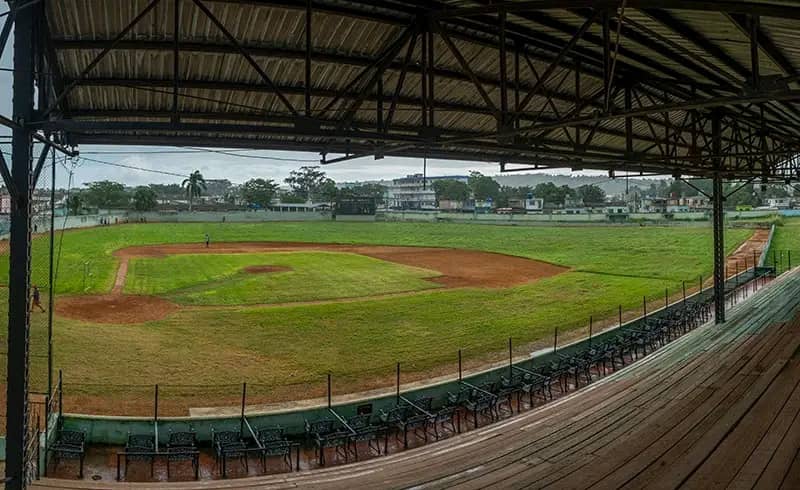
(666, 54)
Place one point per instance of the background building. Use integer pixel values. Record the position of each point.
(416, 191)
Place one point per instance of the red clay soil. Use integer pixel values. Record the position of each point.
(742, 258)
(266, 269)
(114, 308)
(459, 268)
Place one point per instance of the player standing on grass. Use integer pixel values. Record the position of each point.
(37, 299)
(208, 240)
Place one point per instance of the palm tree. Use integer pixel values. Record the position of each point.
(195, 185)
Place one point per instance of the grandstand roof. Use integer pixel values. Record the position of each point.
(621, 85)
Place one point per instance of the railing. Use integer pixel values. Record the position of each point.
(736, 287)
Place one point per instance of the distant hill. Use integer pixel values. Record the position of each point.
(610, 186)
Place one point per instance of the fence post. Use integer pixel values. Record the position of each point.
(774, 263)
(590, 330)
(510, 360)
(397, 377)
(459, 365)
(329, 389)
(701, 284)
(39, 447)
(666, 298)
(555, 339)
(644, 307)
(620, 315)
(737, 276)
(155, 405)
(46, 431)
(755, 262)
(683, 286)
(789, 259)
(60, 398)
(244, 402)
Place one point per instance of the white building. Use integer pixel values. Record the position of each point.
(416, 191)
(530, 205)
(779, 202)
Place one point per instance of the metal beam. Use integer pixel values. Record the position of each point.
(713, 102)
(19, 260)
(751, 27)
(606, 28)
(232, 39)
(367, 90)
(308, 49)
(99, 57)
(176, 75)
(400, 81)
(755, 66)
(767, 9)
(503, 48)
(718, 199)
(465, 66)
(557, 61)
(4, 121)
(37, 170)
(7, 26)
(7, 179)
(588, 69)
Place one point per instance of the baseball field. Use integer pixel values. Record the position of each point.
(279, 305)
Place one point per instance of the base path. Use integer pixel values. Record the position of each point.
(742, 258)
(458, 268)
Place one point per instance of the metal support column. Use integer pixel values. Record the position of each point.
(19, 269)
(718, 198)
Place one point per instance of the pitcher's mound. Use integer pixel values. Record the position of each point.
(114, 308)
(265, 269)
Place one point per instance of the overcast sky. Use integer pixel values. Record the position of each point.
(219, 166)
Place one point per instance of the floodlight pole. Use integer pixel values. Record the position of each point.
(719, 221)
(20, 258)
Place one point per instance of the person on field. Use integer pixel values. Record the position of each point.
(37, 299)
(208, 240)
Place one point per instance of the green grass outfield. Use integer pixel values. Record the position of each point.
(291, 348)
(786, 237)
(211, 279)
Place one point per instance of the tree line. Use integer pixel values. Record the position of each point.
(305, 184)
(483, 188)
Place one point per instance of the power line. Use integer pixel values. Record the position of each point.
(132, 167)
(260, 157)
(192, 150)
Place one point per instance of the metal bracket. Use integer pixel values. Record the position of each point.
(695, 188)
(9, 182)
(38, 168)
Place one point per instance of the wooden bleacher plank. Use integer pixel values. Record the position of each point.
(757, 465)
(701, 441)
(786, 452)
(537, 480)
(580, 475)
(625, 391)
(730, 456)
